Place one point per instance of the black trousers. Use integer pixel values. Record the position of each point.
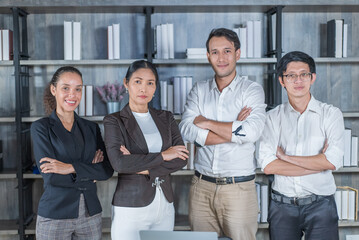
(318, 220)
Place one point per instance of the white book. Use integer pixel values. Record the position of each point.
(170, 98)
(165, 46)
(110, 42)
(159, 41)
(347, 147)
(116, 41)
(196, 51)
(345, 205)
(335, 38)
(351, 209)
(67, 40)
(170, 38)
(177, 95)
(264, 203)
(0, 45)
(257, 39)
(351, 237)
(338, 202)
(258, 190)
(189, 82)
(345, 40)
(7, 50)
(250, 40)
(236, 30)
(243, 40)
(89, 100)
(190, 162)
(82, 105)
(196, 56)
(76, 37)
(183, 85)
(354, 156)
(164, 95)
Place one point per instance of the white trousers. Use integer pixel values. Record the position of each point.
(128, 221)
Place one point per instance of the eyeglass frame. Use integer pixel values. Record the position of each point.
(310, 74)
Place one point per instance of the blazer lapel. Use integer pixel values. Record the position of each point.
(133, 129)
(88, 136)
(60, 132)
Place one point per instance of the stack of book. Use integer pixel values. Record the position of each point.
(113, 41)
(173, 96)
(337, 38)
(85, 107)
(196, 53)
(6, 47)
(250, 36)
(72, 40)
(346, 199)
(164, 41)
(350, 149)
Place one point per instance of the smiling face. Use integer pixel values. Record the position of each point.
(68, 92)
(141, 88)
(298, 88)
(223, 57)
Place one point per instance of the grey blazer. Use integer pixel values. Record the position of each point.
(135, 190)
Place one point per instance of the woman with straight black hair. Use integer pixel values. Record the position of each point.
(71, 156)
(144, 146)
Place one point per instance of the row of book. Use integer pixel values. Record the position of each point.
(337, 38)
(346, 199)
(113, 41)
(196, 53)
(350, 149)
(250, 36)
(85, 107)
(174, 93)
(6, 45)
(72, 40)
(164, 41)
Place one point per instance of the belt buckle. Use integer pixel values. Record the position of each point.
(221, 181)
(295, 201)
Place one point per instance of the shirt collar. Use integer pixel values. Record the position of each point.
(313, 105)
(231, 86)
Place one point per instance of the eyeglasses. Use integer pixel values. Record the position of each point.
(291, 78)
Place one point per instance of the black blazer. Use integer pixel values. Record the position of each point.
(61, 196)
(135, 190)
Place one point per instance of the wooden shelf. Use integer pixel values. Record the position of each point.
(76, 62)
(351, 114)
(8, 174)
(8, 227)
(336, 60)
(7, 119)
(205, 61)
(6, 63)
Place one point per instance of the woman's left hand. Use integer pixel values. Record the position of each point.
(124, 150)
(98, 157)
(50, 165)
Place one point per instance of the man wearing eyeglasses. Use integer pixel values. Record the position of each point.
(302, 143)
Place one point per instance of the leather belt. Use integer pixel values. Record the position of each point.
(224, 180)
(295, 200)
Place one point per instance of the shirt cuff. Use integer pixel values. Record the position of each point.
(264, 162)
(201, 136)
(237, 131)
(334, 157)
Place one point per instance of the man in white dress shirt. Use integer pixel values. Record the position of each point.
(224, 116)
(302, 143)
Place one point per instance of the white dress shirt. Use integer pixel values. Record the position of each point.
(304, 135)
(236, 157)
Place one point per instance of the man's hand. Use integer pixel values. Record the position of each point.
(280, 154)
(245, 112)
(201, 122)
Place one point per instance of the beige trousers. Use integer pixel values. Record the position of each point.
(230, 210)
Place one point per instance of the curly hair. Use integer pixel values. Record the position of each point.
(49, 99)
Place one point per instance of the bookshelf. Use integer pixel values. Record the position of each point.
(337, 78)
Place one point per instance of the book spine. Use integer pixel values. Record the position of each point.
(110, 42)
(177, 95)
(67, 40)
(116, 41)
(171, 49)
(170, 98)
(76, 41)
(89, 100)
(164, 95)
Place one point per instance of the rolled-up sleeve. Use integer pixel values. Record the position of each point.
(251, 128)
(189, 131)
(335, 134)
(267, 144)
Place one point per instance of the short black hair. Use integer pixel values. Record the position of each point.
(136, 65)
(295, 56)
(224, 32)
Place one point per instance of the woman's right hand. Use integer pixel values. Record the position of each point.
(98, 157)
(173, 152)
